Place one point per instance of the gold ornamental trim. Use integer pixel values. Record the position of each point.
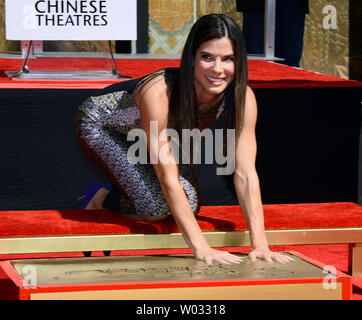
(77, 243)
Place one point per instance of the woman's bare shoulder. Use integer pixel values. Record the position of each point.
(249, 92)
(250, 100)
(154, 88)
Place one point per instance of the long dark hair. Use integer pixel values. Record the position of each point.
(183, 108)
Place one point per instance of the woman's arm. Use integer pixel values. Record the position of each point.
(153, 102)
(247, 187)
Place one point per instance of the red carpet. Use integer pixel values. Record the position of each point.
(55, 222)
(262, 74)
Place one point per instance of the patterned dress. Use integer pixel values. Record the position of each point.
(102, 125)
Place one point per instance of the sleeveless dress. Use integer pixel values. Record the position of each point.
(102, 124)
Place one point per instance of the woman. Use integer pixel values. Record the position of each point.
(211, 81)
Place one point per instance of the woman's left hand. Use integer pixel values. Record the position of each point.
(267, 255)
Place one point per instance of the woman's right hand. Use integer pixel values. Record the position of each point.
(210, 255)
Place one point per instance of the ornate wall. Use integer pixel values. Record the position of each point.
(170, 21)
(326, 45)
(227, 7)
(325, 50)
(169, 25)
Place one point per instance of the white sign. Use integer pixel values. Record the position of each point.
(71, 19)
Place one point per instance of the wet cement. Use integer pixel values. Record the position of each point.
(156, 268)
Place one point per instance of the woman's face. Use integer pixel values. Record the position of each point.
(213, 69)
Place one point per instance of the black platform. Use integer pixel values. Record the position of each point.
(308, 147)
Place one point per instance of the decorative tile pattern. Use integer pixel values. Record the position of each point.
(163, 41)
(169, 24)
